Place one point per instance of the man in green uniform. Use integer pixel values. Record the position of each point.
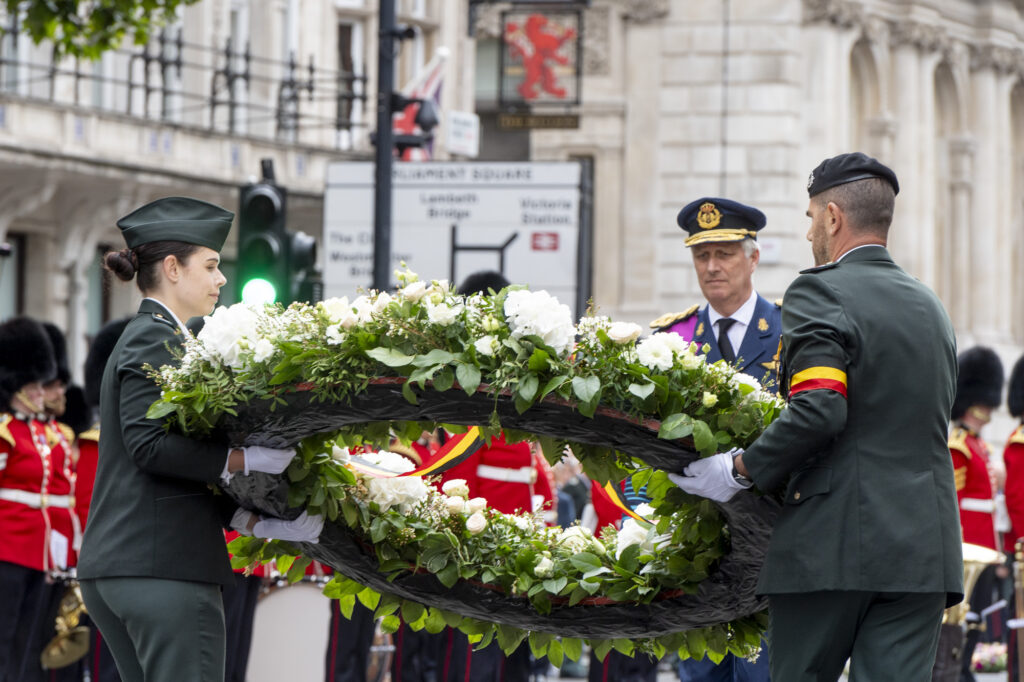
(866, 553)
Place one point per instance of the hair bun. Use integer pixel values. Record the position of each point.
(123, 263)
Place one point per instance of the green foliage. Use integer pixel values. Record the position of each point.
(88, 29)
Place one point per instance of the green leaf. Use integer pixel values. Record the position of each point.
(449, 575)
(434, 357)
(347, 604)
(408, 393)
(539, 360)
(390, 624)
(528, 386)
(411, 611)
(539, 642)
(641, 390)
(160, 409)
(601, 648)
(675, 426)
(703, 439)
(585, 561)
(586, 388)
(390, 357)
(555, 653)
(572, 647)
(468, 376)
(369, 598)
(444, 379)
(552, 384)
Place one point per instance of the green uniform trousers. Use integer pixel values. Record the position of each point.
(160, 630)
(887, 636)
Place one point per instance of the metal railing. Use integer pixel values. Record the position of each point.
(172, 80)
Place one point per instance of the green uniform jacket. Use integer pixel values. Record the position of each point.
(869, 364)
(153, 511)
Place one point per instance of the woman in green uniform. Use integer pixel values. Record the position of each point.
(153, 559)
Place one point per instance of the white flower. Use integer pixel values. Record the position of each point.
(691, 361)
(336, 309)
(655, 352)
(576, 539)
(678, 344)
(335, 335)
(624, 332)
(745, 383)
(226, 332)
(485, 345)
(456, 487)
(644, 510)
(442, 313)
(382, 301)
(523, 523)
(476, 523)
(491, 323)
(631, 533)
(262, 350)
(539, 313)
(456, 505)
(710, 399)
(476, 504)
(362, 308)
(414, 291)
(545, 568)
(404, 492)
(340, 454)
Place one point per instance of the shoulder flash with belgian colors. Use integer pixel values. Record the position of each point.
(669, 319)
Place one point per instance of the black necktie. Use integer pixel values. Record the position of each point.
(724, 347)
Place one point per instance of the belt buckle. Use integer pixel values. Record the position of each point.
(42, 499)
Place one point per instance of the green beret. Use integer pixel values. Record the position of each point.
(178, 219)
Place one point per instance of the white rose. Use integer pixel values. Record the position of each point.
(655, 353)
(415, 291)
(340, 455)
(539, 313)
(336, 309)
(456, 487)
(709, 399)
(644, 510)
(362, 309)
(624, 332)
(544, 568)
(263, 350)
(382, 301)
(744, 381)
(691, 361)
(455, 505)
(523, 523)
(476, 523)
(335, 335)
(631, 533)
(491, 323)
(485, 345)
(576, 539)
(442, 313)
(476, 504)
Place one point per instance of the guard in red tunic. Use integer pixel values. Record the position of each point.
(979, 388)
(1013, 458)
(35, 518)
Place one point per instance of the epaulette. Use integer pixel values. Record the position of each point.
(669, 319)
(819, 268)
(69, 433)
(778, 303)
(958, 441)
(5, 428)
(1018, 435)
(92, 434)
(162, 318)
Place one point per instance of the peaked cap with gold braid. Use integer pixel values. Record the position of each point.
(712, 219)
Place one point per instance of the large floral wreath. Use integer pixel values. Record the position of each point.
(347, 374)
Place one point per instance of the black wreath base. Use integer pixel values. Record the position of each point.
(727, 594)
(303, 416)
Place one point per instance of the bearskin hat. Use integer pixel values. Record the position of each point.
(1015, 393)
(96, 361)
(60, 351)
(77, 414)
(26, 355)
(480, 282)
(979, 380)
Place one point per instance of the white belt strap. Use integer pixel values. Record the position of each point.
(977, 505)
(520, 475)
(36, 500)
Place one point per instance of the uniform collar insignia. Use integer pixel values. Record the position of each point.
(700, 330)
(762, 325)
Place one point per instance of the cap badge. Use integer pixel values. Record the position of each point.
(708, 216)
(762, 324)
(810, 181)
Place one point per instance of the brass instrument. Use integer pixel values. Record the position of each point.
(954, 619)
(72, 640)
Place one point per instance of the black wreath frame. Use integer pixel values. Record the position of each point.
(728, 594)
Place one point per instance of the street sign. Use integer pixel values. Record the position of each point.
(452, 219)
(463, 134)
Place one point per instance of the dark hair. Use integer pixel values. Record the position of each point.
(145, 260)
(868, 204)
(483, 281)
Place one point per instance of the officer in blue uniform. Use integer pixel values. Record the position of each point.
(723, 242)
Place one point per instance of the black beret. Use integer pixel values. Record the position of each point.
(845, 168)
(480, 282)
(60, 352)
(711, 219)
(96, 361)
(1015, 392)
(26, 355)
(979, 380)
(179, 219)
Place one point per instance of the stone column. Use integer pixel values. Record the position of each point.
(905, 157)
(961, 165)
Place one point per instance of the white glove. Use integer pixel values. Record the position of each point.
(240, 521)
(267, 460)
(305, 528)
(711, 477)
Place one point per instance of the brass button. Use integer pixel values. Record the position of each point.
(796, 495)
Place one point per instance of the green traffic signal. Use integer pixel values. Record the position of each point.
(258, 290)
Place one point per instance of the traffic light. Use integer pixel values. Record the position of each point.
(263, 241)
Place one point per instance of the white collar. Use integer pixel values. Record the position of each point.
(181, 325)
(743, 315)
(862, 246)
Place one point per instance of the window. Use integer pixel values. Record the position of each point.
(12, 277)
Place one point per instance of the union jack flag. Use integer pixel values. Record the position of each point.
(426, 85)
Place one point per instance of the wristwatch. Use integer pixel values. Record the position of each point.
(740, 478)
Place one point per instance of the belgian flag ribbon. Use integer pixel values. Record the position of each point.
(458, 449)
